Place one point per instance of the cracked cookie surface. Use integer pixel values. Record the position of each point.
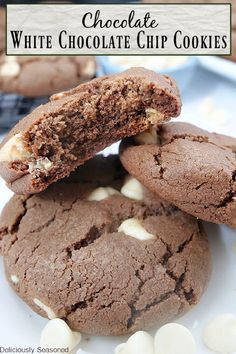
(65, 257)
(191, 168)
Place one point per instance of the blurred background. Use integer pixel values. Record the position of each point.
(207, 84)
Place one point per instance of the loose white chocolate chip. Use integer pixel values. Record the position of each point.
(174, 338)
(120, 349)
(132, 227)
(14, 150)
(132, 189)
(50, 313)
(10, 67)
(101, 193)
(14, 279)
(42, 164)
(57, 334)
(154, 116)
(140, 342)
(148, 137)
(220, 334)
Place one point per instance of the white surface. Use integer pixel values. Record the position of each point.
(21, 326)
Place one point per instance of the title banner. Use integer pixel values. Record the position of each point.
(118, 29)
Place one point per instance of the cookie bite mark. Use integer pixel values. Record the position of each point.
(133, 227)
(75, 125)
(50, 313)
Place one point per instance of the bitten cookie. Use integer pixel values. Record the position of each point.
(191, 168)
(59, 136)
(103, 253)
(43, 76)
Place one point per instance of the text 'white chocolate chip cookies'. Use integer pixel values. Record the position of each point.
(188, 166)
(61, 135)
(73, 260)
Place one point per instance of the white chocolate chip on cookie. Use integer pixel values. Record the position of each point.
(132, 189)
(43, 164)
(57, 334)
(132, 227)
(101, 193)
(174, 338)
(140, 342)
(148, 137)
(50, 313)
(154, 116)
(220, 334)
(14, 150)
(14, 279)
(10, 67)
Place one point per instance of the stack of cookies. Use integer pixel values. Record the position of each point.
(113, 244)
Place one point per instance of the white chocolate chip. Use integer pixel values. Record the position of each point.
(57, 334)
(58, 95)
(120, 349)
(220, 334)
(10, 67)
(14, 150)
(89, 69)
(132, 189)
(154, 116)
(132, 227)
(148, 137)
(50, 313)
(101, 193)
(174, 338)
(42, 164)
(140, 342)
(14, 279)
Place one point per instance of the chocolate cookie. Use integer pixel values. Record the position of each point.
(43, 76)
(191, 168)
(61, 135)
(107, 262)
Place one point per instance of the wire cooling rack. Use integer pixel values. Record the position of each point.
(14, 107)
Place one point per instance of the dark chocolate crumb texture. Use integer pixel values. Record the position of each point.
(57, 137)
(188, 166)
(103, 253)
